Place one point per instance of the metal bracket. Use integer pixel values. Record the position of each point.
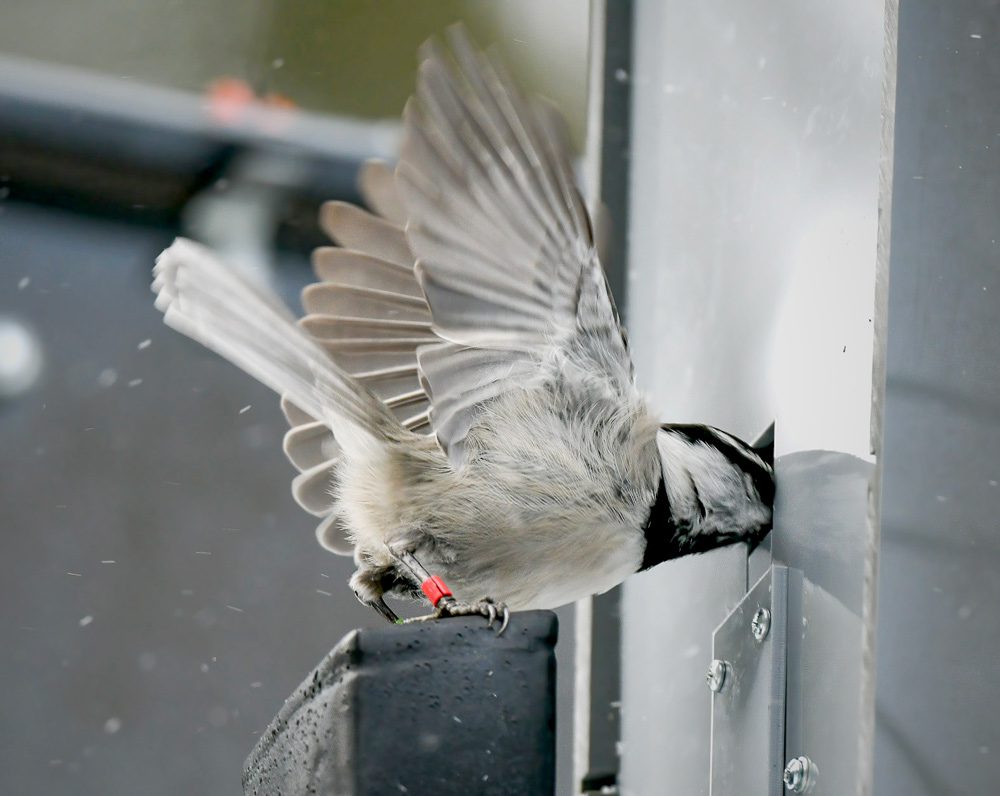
(748, 710)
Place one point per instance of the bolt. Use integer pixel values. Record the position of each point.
(717, 673)
(760, 624)
(800, 775)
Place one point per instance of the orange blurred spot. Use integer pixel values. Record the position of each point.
(228, 99)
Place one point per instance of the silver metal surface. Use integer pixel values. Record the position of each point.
(667, 709)
(760, 623)
(823, 691)
(748, 715)
(759, 561)
(718, 672)
(800, 775)
(752, 234)
(938, 633)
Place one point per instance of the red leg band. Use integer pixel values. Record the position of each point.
(435, 589)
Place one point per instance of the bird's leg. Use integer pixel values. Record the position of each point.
(443, 600)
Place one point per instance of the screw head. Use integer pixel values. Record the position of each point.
(800, 775)
(760, 624)
(716, 676)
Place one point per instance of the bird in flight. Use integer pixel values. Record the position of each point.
(463, 408)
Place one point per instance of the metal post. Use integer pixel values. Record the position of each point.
(598, 635)
(937, 639)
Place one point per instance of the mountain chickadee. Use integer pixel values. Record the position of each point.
(460, 393)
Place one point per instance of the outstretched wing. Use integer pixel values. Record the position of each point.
(478, 264)
(369, 314)
(504, 245)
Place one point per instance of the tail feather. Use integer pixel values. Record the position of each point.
(209, 302)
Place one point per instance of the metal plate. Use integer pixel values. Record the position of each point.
(748, 713)
(823, 685)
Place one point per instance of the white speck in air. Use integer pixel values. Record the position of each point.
(246, 409)
(75, 574)
(107, 377)
(975, 35)
(234, 608)
(204, 668)
(277, 63)
(324, 593)
(23, 282)
(109, 561)
(202, 553)
(112, 725)
(256, 684)
(86, 620)
(144, 344)
(135, 382)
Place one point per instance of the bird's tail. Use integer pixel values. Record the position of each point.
(211, 303)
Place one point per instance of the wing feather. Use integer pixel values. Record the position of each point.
(369, 314)
(505, 248)
(477, 263)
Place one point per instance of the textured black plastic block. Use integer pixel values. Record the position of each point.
(430, 709)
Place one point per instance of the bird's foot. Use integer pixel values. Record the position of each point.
(449, 606)
(444, 602)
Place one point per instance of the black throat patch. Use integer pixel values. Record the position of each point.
(660, 531)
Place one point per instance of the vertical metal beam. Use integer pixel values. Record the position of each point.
(598, 633)
(866, 731)
(755, 143)
(938, 632)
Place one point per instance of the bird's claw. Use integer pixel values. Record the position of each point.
(495, 611)
(485, 607)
